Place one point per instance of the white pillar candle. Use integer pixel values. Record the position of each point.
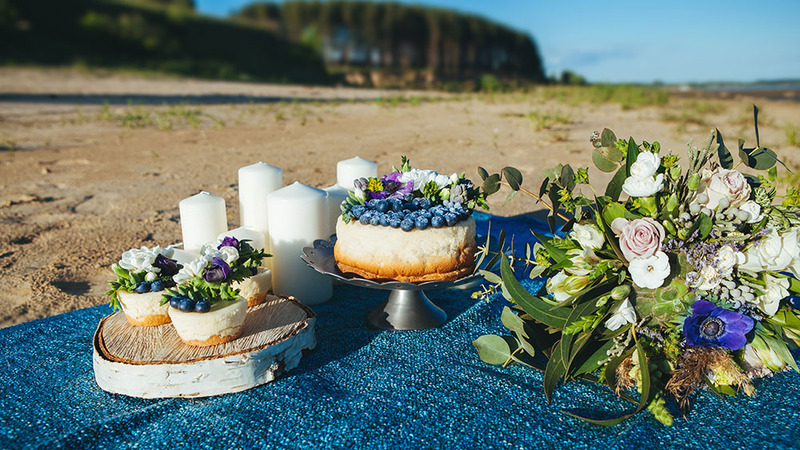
(202, 220)
(256, 182)
(336, 195)
(298, 215)
(255, 237)
(353, 168)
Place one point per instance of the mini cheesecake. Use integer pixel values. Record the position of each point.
(144, 310)
(255, 288)
(223, 323)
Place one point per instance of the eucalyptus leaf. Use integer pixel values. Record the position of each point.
(553, 373)
(614, 188)
(483, 173)
(513, 177)
(633, 154)
(608, 138)
(491, 184)
(725, 158)
(493, 349)
(509, 197)
(602, 162)
(568, 177)
(544, 187)
(540, 310)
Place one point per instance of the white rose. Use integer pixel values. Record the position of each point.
(454, 178)
(707, 279)
(191, 270)
(791, 244)
(229, 254)
(646, 165)
(650, 272)
(589, 236)
(643, 187)
(138, 259)
(752, 208)
(622, 315)
(776, 290)
(727, 258)
(773, 252)
(723, 183)
(441, 180)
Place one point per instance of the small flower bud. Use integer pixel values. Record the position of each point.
(669, 227)
(672, 202)
(723, 204)
(694, 183)
(151, 276)
(694, 208)
(743, 216)
(702, 199)
(706, 211)
(620, 292)
(675, 172)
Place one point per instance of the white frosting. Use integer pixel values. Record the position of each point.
(392, 247)
(139, 306)
(224, 319)
(259, 283)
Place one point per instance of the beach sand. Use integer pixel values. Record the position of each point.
(92, 165)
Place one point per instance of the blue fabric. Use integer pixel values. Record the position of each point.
(362, 388)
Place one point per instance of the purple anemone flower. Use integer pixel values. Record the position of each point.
(393, 187)
(217, 272)
(229, 241)
(712, 326)
(169, 267)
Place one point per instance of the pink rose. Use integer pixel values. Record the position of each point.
(640, 238)
(723, 183)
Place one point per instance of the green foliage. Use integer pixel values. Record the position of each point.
(155, 36)
(627, 96)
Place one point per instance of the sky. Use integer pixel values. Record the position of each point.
(671, 41)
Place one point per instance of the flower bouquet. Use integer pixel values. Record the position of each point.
(683, 282)
(142, 275)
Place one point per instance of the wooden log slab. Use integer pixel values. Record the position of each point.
(152, 362)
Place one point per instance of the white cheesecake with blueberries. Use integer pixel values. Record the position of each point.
(410, 225)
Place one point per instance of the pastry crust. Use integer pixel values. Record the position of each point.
(255, 288)
(224, 323)
(384, 253)
(144, 310)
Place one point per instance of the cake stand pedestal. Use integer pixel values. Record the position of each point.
(406, 308)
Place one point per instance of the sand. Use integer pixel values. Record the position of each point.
(92, 165)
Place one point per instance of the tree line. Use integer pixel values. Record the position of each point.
(393, 35)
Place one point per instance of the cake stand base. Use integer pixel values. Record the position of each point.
(406, 310)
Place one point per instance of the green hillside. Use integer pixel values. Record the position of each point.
(149, 35)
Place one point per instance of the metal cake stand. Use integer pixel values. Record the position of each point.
(406, 308)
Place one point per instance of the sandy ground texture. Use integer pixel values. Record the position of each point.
(92, 165)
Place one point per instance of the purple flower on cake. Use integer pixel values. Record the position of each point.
(217, 271)
(167, 267)
(392, 187)
(229, 241)
(712, 326)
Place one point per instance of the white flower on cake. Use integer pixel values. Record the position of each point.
(773, 252)
(589, 236)
(650, 272)
(138, 259)
(191, 270)
(227, 254)
(722, 184)
(775, 290)
(422, 177)
(643, 181)
(622, 315)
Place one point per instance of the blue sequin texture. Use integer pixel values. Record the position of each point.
(364, 388)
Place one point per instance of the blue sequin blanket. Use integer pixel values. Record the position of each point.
(363, 388)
